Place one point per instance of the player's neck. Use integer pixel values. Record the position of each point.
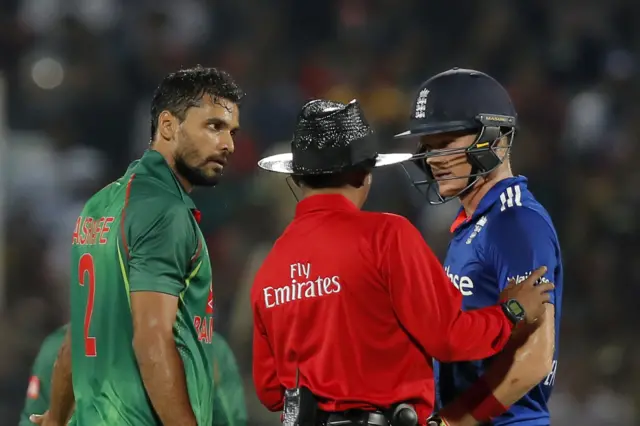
(168, 157)
(471, 199)
(186, 185)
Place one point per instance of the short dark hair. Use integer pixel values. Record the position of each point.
(185, 88)
(353, 176)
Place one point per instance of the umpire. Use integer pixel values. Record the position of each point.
(350, 306)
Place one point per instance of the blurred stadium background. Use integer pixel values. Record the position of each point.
(77, 81)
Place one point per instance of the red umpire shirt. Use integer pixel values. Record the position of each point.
(359, 304)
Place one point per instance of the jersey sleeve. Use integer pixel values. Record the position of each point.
(162, 242)
(37, 398)
(229, 406)
(520, 241)
(429, 306)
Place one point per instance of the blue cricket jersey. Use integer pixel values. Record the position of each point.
(508, 236)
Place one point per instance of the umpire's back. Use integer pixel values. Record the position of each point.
(322, 304)
(322, 307)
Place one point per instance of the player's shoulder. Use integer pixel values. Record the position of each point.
(51, 344)
(517, 212)
(159, 214)
(57, 336)
(151, 210)
(151, 196)
(142, 186)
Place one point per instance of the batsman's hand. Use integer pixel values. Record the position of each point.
(43, 419)
(531, 296)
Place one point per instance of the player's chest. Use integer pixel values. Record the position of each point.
(470, 269)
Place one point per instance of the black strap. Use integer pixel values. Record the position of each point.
(356, 417)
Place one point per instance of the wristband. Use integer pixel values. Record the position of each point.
(481, 402)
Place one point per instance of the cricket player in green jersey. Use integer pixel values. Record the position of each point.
(37, 399)
(141, 294)
(229, 408)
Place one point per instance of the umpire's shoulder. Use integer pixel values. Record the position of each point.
(387, 224)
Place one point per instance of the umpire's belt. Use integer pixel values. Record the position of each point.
(356, 417)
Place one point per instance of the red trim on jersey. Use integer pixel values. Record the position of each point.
(124, 214)
(459, 220)
(198, 250)
(209, 308)
(33, 390)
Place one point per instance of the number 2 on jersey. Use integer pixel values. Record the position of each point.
(86, 269)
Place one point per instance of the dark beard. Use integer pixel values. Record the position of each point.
(193, 175)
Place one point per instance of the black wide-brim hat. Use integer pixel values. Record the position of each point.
(330, 137)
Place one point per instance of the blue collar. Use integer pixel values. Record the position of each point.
(489, 199)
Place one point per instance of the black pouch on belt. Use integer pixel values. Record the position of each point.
(300, 407)
(403, 415)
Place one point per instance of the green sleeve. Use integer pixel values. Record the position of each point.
(229, 406)
(37, 398)
(162, 241)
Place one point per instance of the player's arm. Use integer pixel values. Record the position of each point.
(161, 246)
(229, 403)
(520, 241)
(265, 379)
(429, 306)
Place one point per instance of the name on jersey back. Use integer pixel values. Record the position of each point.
(89, 230)
(302, 286)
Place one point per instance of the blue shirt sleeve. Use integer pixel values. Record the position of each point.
(520, 241)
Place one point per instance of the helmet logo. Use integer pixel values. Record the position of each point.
(421, 103)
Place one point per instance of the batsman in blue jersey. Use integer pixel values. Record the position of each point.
(466, 123)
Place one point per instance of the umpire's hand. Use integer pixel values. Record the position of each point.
(531, 296)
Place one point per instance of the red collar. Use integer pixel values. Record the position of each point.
(459, 220)
(326, 202)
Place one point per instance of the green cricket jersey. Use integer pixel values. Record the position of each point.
(37, 400)
(229, 408)
(139, 233)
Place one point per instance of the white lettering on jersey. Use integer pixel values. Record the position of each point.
(511, 197)
(305, 288)
(519, 278)
(551, 378)
(463, 283)
(476, 230)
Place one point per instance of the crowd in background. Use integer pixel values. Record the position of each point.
(78, 78)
